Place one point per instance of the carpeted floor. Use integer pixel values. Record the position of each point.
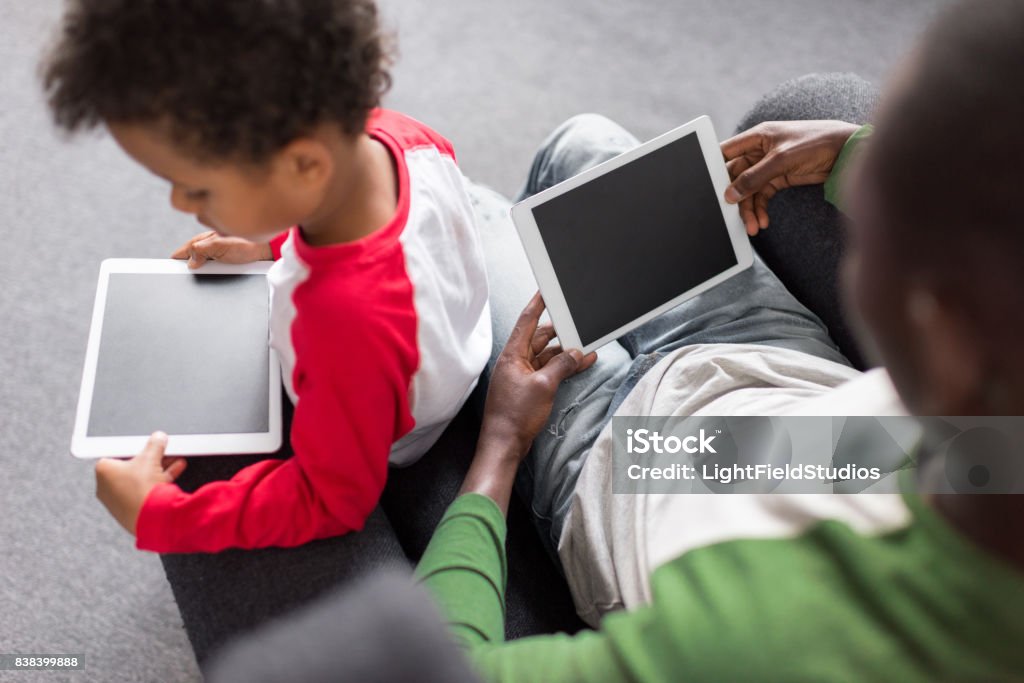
(493, 77)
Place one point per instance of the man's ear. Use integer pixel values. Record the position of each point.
(952, 359)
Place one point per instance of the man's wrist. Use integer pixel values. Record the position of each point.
(494, 466)
(503, 444)
(850, 148)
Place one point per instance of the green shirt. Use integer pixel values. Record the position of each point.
(917, 603)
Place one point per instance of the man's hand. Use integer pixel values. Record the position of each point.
(775, 155)
(122, 485)
(522, 391)
(209, 246)
(525, 378)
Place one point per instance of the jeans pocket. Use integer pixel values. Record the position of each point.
(640, 367)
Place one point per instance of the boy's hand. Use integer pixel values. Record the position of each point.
(122, 485)
(775, 155)
(209, 246)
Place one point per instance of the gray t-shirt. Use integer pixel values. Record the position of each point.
(611, 544)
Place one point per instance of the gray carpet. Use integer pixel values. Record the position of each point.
(494, 77)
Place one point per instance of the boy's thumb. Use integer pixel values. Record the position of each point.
(155, 446)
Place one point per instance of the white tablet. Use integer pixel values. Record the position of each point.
(183, 352)
(633, 237)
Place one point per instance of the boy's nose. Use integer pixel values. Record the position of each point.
(179, 200)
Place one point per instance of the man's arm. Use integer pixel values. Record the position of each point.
(464, 568)
(464, 564)
(775, 155)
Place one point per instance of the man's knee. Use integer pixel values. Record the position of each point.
(587, 125)
(579, 143)
(843, 96)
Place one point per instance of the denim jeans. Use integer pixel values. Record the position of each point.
(751, 308)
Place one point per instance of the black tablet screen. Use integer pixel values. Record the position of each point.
(636, 237)
(186, 354)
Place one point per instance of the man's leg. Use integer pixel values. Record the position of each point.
(753, 307)
(582, 142)
(582, 406)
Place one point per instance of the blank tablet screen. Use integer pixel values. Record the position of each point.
(635, 238)
(186, 354)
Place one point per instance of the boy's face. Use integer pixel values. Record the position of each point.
(233, 199)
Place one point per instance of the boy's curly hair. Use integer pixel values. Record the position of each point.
(235, 79)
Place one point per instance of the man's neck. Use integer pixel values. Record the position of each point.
(995, 522)
(360, 203)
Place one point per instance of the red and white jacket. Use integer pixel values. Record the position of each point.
(381, 341)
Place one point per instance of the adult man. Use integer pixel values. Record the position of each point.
(870, 587)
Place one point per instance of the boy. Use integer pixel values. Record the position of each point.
(262, 114)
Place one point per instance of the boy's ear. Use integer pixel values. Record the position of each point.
(307, 161)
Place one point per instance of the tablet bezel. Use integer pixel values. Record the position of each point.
(89, 447)
(544, 271)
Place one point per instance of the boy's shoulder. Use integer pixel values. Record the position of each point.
(340, 303)
(407, 132)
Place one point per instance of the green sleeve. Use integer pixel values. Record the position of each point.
(853, 146)
(464, 567)
(916, 602)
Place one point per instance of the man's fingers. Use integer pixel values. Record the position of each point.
(546, 355)
(754, 178)
(749, 216)
(526, 326)
(738, 165)
(754, 207)
(762, 198)
(544, 334)
(761, 209)
(562, 366)
(746, 142)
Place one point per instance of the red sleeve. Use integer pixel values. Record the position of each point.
(277, 242)
(350, 412)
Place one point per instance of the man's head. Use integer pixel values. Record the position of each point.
(248, 107)
(936, 263)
